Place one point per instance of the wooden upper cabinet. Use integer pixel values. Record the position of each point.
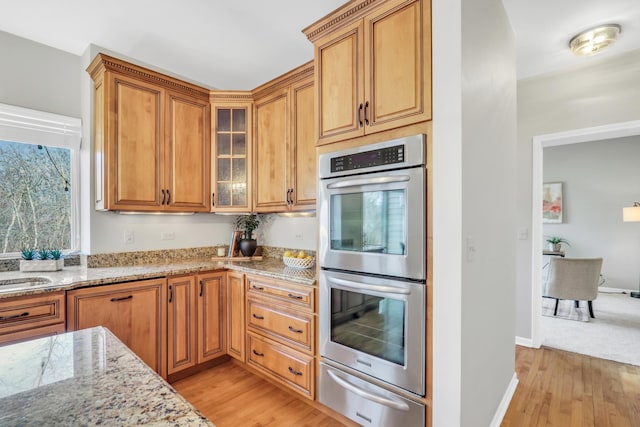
(271, 133)
(187, 153)
(303, 158)
(285, 176)
(151, 140)
(231, 179)
(373, 68)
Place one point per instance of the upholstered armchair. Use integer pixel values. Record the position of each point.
(574, 279)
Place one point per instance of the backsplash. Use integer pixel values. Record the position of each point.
(121, 259)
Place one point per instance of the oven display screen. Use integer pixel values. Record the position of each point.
(368, 159)
(369, 324)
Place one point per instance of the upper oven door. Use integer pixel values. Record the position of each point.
(375, 223)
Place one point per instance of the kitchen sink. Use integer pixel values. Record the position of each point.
(23, 282)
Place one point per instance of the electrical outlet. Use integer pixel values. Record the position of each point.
(129, 237)
(167, 235)
(298, 235)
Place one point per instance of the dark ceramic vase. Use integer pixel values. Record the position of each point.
(248, 247)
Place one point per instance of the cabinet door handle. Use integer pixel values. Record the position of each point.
(201, 286)
(360, 115)
(294, 296)
(297, 331)
(168, 197)
(15, 316)
(257, 353)
(213, 199)
(164, 196)
(257, 288)
(366, 113)
(122, 298)
(170, 294)
(294, 372)
(255, 316)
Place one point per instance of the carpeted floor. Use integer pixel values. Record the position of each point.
(614, 334)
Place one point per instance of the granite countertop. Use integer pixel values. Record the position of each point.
(79, 276)
(86, 377)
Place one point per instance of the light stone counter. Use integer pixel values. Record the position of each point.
(79, 276)
(87, 377)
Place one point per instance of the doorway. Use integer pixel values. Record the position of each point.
(540, 142)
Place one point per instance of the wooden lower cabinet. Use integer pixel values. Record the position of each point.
(29, 317)
(287, 366)
(281, 323)
(235, 315)
(135, 312)
(195, 319)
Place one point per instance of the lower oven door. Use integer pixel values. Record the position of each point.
(366, 403)
(375, 326)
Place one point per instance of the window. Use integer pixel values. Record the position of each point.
(38, 171)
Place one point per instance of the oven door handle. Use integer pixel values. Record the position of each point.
(402, 406)
(356, 182)
(363, 286)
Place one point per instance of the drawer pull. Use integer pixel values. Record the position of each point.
(255, 316)
(15, 316)
(297, 331)
(294, 372)
(257, 353)
(295, 296)
(121, 299)
(257, 288)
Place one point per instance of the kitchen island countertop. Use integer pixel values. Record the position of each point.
(86, 377)
(79, 276)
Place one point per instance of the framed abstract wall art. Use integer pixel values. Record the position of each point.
(552, 203)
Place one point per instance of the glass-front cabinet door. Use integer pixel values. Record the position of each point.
(231, 153)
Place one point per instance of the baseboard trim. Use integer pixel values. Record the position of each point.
(615, 290)
(504, 404)
(525, 342)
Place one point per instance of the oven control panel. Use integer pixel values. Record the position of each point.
(367, 159)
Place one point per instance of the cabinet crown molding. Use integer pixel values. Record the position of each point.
(298, 73)
(104, 62)
(342, 16)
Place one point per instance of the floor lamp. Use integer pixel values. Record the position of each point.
(632, 214)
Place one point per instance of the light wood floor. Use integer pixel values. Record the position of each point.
(558, 388)
(231, 396)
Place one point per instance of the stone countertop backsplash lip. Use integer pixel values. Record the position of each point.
(80, 276)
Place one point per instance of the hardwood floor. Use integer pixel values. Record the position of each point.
(558, 388)
(231, 396)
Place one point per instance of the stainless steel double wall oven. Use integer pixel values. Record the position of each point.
(372, 254)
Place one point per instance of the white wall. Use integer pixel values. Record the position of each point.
(599, 179)
(474, 209)
(39, 77)
(604, 92)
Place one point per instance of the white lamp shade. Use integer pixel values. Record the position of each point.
(631, 214)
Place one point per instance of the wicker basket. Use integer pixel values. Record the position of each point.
(301, 263)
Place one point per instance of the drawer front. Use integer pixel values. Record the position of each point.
(288, 366)
(19, 314)
(297, 295)
(291, 327)
(31, 333)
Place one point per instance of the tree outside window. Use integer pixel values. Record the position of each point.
(35, 201)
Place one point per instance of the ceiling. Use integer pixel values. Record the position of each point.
(242, 44)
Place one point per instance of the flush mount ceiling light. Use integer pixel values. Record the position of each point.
(594, 40)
